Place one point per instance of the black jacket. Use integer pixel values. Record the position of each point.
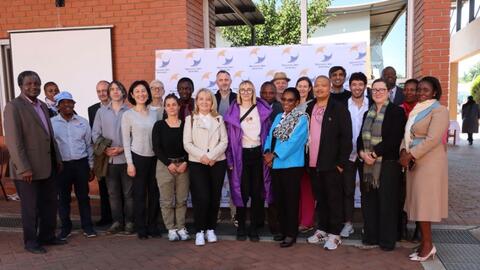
(92, 111)
(231, 97)
(336, 137)
(393, 128)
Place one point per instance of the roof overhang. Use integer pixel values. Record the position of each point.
(383, 15)
(237, 12)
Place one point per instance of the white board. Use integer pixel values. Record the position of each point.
(74, 58)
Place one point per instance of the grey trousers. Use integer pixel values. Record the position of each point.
(120, 192)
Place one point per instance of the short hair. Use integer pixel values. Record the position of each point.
(379, 80)
(310, 84)
(222, 71)
(185, 79)
(335, 69)
(48, 84)
(103, 82)
(156, 82)
(358, 76)
(322, 77)
(133, 86)
(254, 95)
(171, 96)
(120, 86)
(27, 73)
(436, 86)
(265, 84)
(415, 81)
(389, 67)
(213, 110)
(294, 91)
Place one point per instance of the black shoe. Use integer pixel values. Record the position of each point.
(64, 235)
(103, 222)
(36, 250)
(241, 234)
(288, 242)
(142, 236)
(253, 235)
(278, 237)
(154, 233)
(53, 242)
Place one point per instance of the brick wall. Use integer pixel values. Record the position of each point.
(431, 42)
(140, 26)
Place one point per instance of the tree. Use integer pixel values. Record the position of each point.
(473, 72)
(475, 91)
(282, 23)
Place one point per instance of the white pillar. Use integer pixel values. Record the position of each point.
(206, 24)
(303, 21)
(409, 45)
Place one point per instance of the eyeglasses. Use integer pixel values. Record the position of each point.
(290, 100)
(246, 91)
(379, 90)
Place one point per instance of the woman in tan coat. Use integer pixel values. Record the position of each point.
(425, 158)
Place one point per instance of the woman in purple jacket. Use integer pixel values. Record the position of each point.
(248, 123)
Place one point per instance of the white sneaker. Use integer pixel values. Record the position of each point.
(183, 233)
(200, 239)
(173, 236)
(333, 242)
(211, 237)
(347, 230)
(318, 237)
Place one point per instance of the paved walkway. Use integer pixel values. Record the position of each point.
(127, 252)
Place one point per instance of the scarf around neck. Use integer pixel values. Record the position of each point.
(371, 136)
(412, 119)
(286, 126)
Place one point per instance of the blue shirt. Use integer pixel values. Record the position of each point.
(108, 125)
(73, 137)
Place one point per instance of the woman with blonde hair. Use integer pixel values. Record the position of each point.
(248, 122)
(205, 140)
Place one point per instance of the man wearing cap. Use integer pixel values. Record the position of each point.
(74, 139)
(34, 161)
(280, 80)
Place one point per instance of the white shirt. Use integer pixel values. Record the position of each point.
(392, 93)
(251, 128)
(356, 114)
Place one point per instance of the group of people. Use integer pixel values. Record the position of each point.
(298, 149)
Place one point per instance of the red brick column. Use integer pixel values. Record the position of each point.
(431, 42)
(140, 27)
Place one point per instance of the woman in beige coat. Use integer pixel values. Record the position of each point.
(205, 140)
(424, 156)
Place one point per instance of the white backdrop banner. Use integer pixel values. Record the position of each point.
(257, 64)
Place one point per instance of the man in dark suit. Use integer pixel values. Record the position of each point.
(389, 74)
(34, 160)
(224, 95)
(105, 211)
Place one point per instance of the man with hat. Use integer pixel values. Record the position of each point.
(73, 136)
(280, 80)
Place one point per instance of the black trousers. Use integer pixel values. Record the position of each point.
(328, 190)
(349, 178)
(206, 188)
(252, 186)
(105, 210)
(470, 136)
(75, 173)
(38, 201)
(286, 190)
(380, 207)
(146, 205)
(402, 231)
